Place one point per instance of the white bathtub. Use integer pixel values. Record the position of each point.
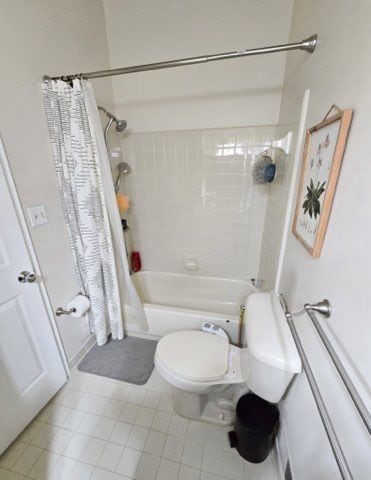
(175, 302)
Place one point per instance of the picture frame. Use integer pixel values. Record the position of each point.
(322, 157)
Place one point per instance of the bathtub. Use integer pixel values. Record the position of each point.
(174, 302)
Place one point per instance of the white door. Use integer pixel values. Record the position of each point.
(31, 367)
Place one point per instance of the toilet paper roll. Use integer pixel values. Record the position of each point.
(80, 303)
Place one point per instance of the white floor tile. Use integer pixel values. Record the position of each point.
(212, 459)
(212, 476)
(189, 473)
(192, 454)
(98, 405)
(173, 449)
(92, 451)
(148, 467)
(81, 471)
(100, 474)
(114, 409)
(71, 398)
(73, 420)
(151, 399)
(155, 443)
(44, 436)
(89, 424)
(161, 421)
(168, 470)
(104, 428)
(60, 440)
(27, 460)
(91, 431)
(76, 446)
(122, 392)
(85, 401)
(8, 475)
(166, 403)
(11, 455)
(145, 417)
(217, 436)
(43, 465)
(178, 426)
(62, 468)
(129, 413)
(232, 465)
(121, 432)
(117, 476)
(137, 438)
(196, 431)
(57, 414)
(128, 462)
(136, 396)
(110, 456)
(31, 431)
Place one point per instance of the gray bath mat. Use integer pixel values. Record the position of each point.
(129, 360)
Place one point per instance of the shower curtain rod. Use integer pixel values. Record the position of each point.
(308, 45)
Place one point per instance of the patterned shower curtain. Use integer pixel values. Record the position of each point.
(78, 164)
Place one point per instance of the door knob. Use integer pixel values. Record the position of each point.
(25, 276)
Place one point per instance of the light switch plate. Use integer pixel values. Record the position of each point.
(37, 215)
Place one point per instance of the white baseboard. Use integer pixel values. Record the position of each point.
(81, 352)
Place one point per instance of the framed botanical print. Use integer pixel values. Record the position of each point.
(322, 156)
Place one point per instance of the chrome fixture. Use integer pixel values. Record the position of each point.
(123, 169)
(26, 277)
(325, 417)
(307, 45)
(349, 385)
(121, 125)
(61, 311)
(323, 307)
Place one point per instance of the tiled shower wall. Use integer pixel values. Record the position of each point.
(193, 195)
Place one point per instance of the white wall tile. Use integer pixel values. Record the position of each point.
(192, 193)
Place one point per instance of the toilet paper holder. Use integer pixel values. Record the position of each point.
(61, 311)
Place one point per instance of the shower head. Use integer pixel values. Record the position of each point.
(123, 168)
(120, 124)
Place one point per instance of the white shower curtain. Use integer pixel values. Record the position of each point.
(90, 210)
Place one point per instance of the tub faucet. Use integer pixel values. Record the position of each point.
(257, 282)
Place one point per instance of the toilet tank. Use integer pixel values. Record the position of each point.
(271, 359)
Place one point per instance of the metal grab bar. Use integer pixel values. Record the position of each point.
(331, 434)
(353, 393)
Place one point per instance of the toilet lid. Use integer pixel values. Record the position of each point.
(194, 354)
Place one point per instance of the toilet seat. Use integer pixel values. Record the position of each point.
(194, 355)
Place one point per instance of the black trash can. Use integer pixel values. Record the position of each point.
(255, 428)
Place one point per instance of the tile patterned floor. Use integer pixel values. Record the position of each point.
(101, 429)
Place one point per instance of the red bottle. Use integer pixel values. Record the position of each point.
(136, 262)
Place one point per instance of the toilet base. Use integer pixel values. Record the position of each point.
(211, 408)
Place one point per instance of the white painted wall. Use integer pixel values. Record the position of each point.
(338, 72)
(46, 37)
(222, 94)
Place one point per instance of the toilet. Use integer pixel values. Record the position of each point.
(210, 374)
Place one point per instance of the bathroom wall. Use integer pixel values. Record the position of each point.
(193, 195)
(338, 72)
(220, 94)
(46, 37)
(277, 198)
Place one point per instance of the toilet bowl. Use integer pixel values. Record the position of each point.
(207, 371)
